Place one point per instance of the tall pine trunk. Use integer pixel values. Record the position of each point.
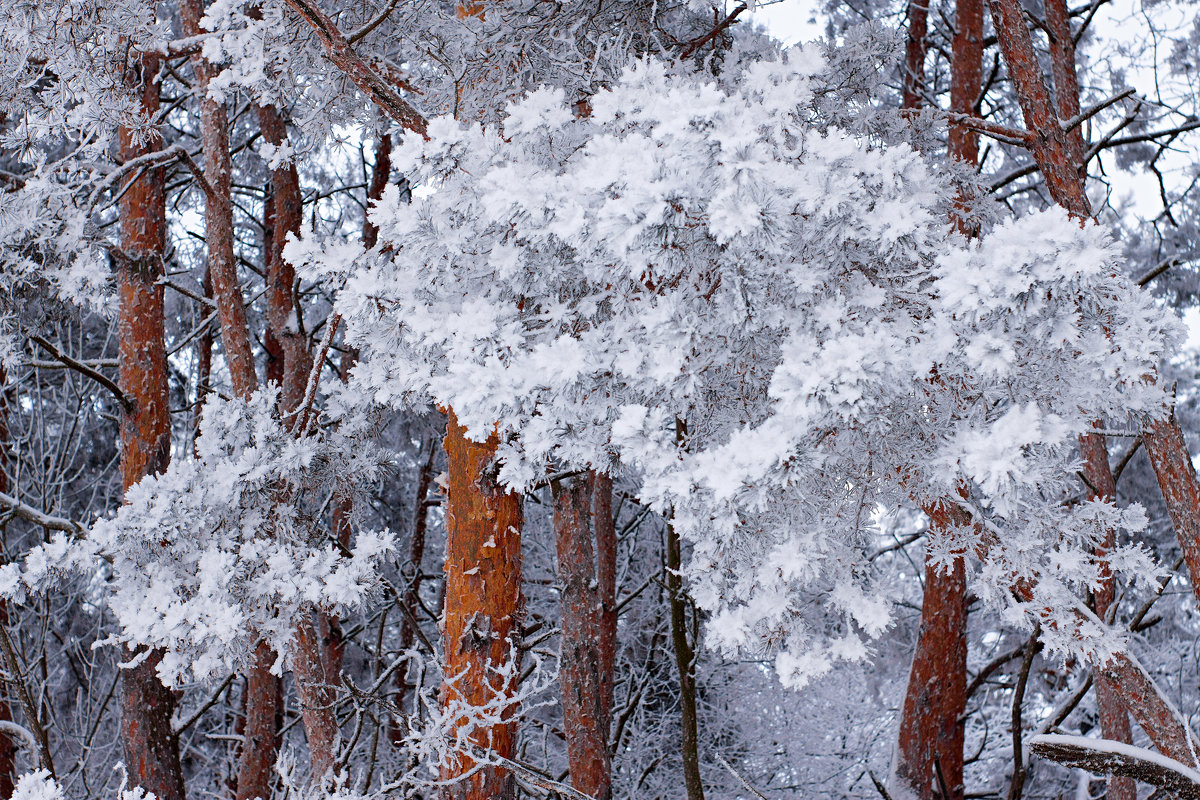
(150, 746)
(585, 539)
(482, 615)
(930, 746)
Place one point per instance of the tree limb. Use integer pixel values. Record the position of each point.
(1117, 758)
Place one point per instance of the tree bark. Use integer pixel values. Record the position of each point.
(412, 587)
(150, 745)
(930, 751)
(914, 55)
(585, 539)
(482, 616)
(218, 218)
(1114, 720)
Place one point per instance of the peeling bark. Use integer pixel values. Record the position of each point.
(317, 691)
(482, 616)
(150, 746)
(585, 540)
(261, 729)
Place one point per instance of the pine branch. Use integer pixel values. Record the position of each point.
(342, 54)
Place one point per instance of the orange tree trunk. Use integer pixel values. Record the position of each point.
(482, 616)
(585, 538)
(218, 218)
(1114, 721)
(150, 746)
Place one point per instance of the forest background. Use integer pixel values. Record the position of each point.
(599, 399)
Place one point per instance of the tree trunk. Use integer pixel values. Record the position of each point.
(218, 218)
(412, 587)
(930, 748)
(8, 747)
(586, 545)
(282, 317)
(685, 663)
(914, 55)
(482, 616)
(150, 746)
(1059, 154)
(1114, 721)
(317, 691)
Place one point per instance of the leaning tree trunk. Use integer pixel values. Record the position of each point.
(1058, 150)
(585, 538)
(150, 745)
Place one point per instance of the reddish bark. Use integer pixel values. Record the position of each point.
(380, 172)
(367, 79)
(261, 727)
(218, 217)
(930, 751)
(966, 69)
(1060, 156)
(482, 617)
(586, 541)
(150, 746)
(1180, 489)
(1114, 720)
(1051, 146)
(1161, 722)
(317, 691)
(282, 319)
(914, 56)
(930, 747)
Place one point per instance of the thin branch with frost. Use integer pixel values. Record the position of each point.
(31, 514)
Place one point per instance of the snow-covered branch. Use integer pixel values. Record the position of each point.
(1116, 758)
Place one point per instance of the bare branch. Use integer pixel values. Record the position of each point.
(84, 369)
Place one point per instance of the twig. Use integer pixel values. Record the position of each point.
(300, 424)
(374, 23)
(84, 369)
(1088, 113)
(27, 706)
(695, 44)
(737, 775)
